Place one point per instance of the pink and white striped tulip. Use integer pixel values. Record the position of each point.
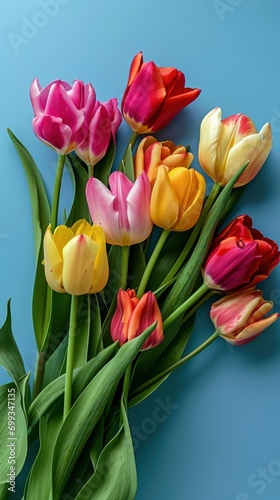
(225, 145)
(123, 211)
(239, 318)
(100, 126)
(60, 112)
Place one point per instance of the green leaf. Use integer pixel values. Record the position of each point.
(115, 477)
(13, 432)
(39, 482)
(81, 378)
(103, 168)
(87, 410)
(10, 357)
(41, 218)
(188, 275)
(4, 491)
(149, 366)
(128, 167)
(95, 334)
(78, 174)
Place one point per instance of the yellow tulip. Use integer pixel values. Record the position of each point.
(177, 198)
(75, 258)
(225, 145)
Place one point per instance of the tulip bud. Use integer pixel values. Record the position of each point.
(226, 145)
(239, 318)
(60, 111)
(239, 257)
(123, 211)
(151, 154)
(75, 259)
(133, 316)
(154, 95)
(177, 198)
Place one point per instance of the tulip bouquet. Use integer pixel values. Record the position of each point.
(119, 277)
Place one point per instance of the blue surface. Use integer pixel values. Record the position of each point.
(218, 437)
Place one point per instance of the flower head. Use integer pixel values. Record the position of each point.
(177, 198)
(151, 154)
(100, 126)
(133, 316)
(239, 257)
(123, 211)
(240, 317)
(154, 95)
(75, 258)
(225, 145)
(60, 111)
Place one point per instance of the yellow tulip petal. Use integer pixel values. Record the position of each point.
(164, 206)
(209, 142)
(78, 264)
(192, 212)
(61, 236)
(82, 227)
(101, 268)
(52, 262)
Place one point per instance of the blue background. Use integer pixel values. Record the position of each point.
(219, 434)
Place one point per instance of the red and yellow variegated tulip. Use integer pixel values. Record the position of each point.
(75, 258)
(60, 111)
(100, 126)
(154, 95)
(151, 154)
(226, 145)
(123, 211)
(239, 257)
(133, 316)
(240, 317)
(177, 198)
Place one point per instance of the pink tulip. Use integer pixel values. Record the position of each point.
(133, 316)
(123, 211)
(154, 95)
(99, 126)
(60, 111)
(239, 318)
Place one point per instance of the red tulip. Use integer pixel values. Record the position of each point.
(240, 257)
(154, 95)
(134, 315)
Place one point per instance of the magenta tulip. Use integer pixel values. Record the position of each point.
(100, 126)
(123, 211)
(240, 257)
(60, 111)
(240, 317)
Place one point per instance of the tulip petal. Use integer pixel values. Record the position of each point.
(60, 105)
(78, 264)
(138, 209)
(52, 262)
(101, 268)
(121, 318)
(144, 315)
(164, 206)
(209, 141)
(144, 96)
(193, 203)
(255, 148)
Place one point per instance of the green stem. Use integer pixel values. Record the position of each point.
(70, 356)
(145, 278)
(124, 266)
(90, 171)
(56, 191)
(194, 234)
(173, 367)
(198, 304)
(189, 302)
